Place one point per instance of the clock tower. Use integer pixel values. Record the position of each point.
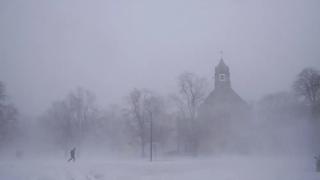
(222, 76)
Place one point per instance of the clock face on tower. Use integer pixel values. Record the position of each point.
(222, 77)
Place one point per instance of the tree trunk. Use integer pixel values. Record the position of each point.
(143, 145)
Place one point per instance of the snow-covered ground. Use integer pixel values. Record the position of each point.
(218, 168)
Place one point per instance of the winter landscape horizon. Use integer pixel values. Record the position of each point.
(159, 90)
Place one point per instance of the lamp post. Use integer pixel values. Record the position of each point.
(151, 138)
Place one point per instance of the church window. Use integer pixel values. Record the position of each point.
(222, 77)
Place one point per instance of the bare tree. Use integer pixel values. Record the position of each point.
(82, 106)
(307, 85)
(71, 119)
(192, 92)
(8, 117)
(138, 125)
(144, 106)
(58, 124)
(2, 91)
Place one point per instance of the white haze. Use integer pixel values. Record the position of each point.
(48, 48)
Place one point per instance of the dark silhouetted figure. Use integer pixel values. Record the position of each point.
(317, 163)
(72, 155)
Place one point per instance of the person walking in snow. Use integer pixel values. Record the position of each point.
(72, 155)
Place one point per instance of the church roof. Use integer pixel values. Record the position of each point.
(222, 65)
(224, 96)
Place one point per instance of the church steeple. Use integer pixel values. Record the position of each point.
(222, 75)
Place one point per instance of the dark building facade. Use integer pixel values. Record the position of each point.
(223, 116)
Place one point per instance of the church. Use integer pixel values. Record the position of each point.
(223, 116)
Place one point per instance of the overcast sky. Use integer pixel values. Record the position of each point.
(49, 47)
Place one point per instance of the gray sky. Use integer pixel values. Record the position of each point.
(47, 48)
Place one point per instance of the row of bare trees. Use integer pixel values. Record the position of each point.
(147, 119)
(290, 121)
(148, 122)
(69, 120)
(151, 123)
(146, 108)
(8, 118)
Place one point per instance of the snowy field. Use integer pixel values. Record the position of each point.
(219, 168)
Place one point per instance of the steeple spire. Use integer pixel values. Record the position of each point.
(222, 75)
(221, 55)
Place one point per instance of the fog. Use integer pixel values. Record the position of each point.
(94, 74)
(49, 47)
